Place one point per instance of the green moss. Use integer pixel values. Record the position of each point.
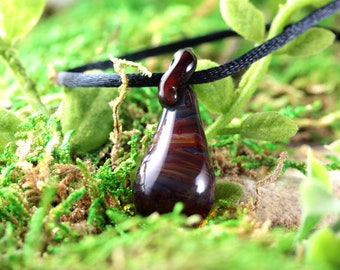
(160, 244)
(227, 193)
(67, 211)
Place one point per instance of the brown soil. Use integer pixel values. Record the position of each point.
(279, 202)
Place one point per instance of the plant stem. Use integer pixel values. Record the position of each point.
(252, 78)
(248, 85)
(26, 84)
(286, 12)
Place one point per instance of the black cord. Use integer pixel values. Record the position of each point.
(75, 78)
(102, 65)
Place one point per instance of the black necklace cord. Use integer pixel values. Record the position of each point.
(76, 78)
(167, 48)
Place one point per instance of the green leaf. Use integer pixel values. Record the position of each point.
(317, 172)
(217, 96)
(8, 126)
(317, 200)
(334, 146)
(87, 112)
(301, 3)
(247, 86)
(228, 192)
(244, 18)
(309, 43)
(307, 224)
(268, 126)
(18, 17)
(323, 247)
(316, 196)
(287, 11)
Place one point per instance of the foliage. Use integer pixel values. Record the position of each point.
(244, 18)
(334, 146)
(90, 116)
(316, 196)
(159, 241)
(227, 194)
(8, 125)
(335, 159)
(252, 155)
(309, 43)
(322, 248)
(63, 206)
(318, 202)
(267, 126)
(210, 94)
(13, 26)
(16, 27)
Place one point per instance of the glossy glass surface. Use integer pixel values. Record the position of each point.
(176, 167)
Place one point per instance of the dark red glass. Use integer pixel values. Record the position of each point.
(176, 167)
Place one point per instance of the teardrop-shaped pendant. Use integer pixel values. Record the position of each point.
(176, 167)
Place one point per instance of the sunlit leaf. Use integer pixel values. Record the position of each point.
(311, 42)
(268, 126)
(307, 224)
(18, 17)
(316, 171)
(217, 96)
(323, 247)
(315, 3)
(244, 18)
(87, 112)
(8, 126)
(334, 146)
(317, 200)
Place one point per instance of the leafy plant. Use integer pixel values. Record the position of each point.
(248, 21)
(56, 210)
(317, 202)
(18, 17)
(334, 146)
(14, 26)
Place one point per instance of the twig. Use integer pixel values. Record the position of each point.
(27, 86)
(116, 135)
(271, 178)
